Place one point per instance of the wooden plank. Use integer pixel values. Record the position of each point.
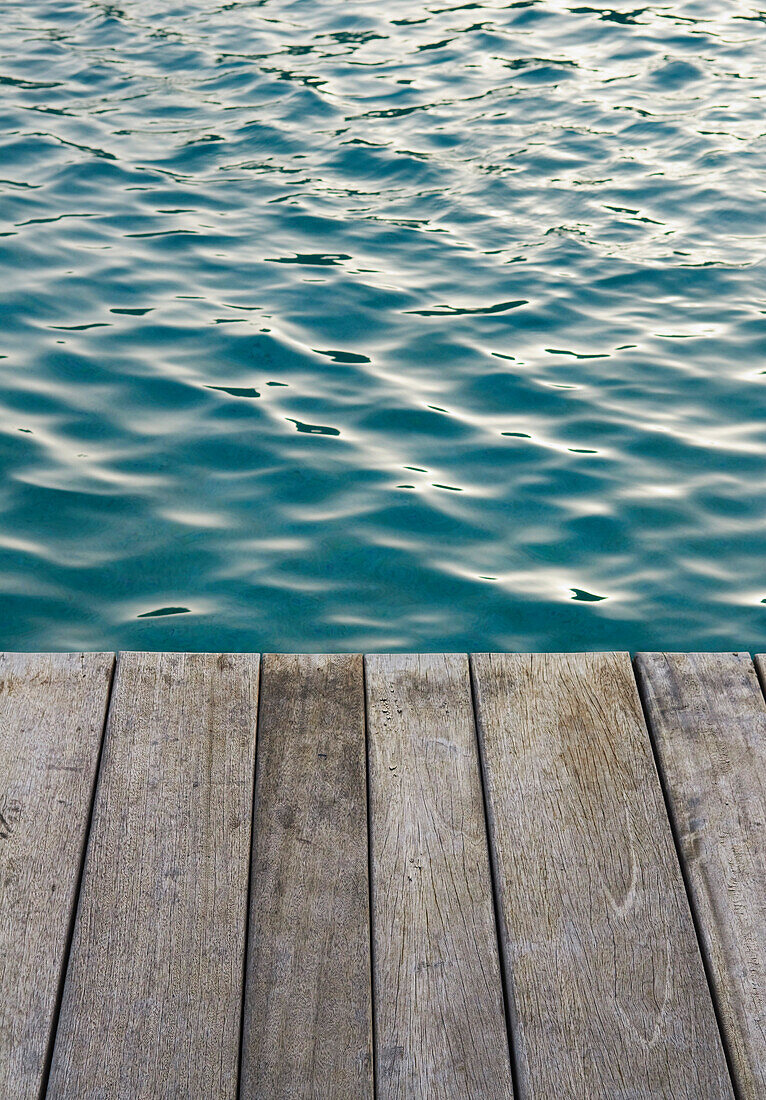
(152, 999)
(607, 987)
(440, 1021)
(307, 1026)
(52, 710)
(708, 718)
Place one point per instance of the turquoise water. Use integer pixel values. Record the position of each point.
(378, 326)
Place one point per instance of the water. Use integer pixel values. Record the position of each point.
(325, 328)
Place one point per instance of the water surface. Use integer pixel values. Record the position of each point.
(377, 326)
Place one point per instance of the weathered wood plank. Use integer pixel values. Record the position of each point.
(608, 991)
(152, 999)
(52, 711)
(708, 717)
(440, 1022)
(307, 1026)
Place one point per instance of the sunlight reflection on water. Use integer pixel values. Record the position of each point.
(325, 328)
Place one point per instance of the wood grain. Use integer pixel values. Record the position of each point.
(607, 987)
(52, 710)
(307, 1027)
(708, 718)
(152, 999)
(440, 1022)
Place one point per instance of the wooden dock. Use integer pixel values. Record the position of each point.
(393, 877)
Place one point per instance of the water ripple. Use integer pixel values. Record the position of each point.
(329, 328)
